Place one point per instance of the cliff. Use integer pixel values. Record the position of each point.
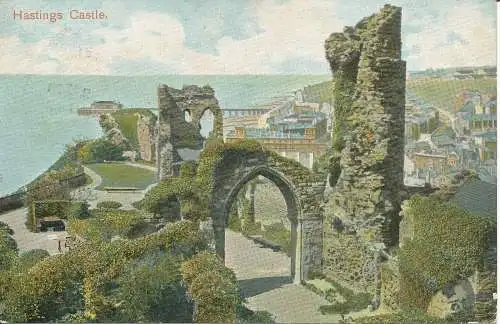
(136, 128)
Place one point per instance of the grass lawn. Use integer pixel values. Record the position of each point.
(443, 93)
(122, 175)
(128, 126)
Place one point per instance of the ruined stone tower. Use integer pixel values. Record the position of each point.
(361, 215)
(177, 139)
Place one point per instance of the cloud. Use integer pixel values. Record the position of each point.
(464, 37)
(282, 37)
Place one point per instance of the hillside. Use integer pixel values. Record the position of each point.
(443, 93)
(127, 123)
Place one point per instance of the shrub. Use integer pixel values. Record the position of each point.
(141, 228)
(151, 291)
(109, 204)
(449, 244)
(105, 150)
(213, 287)
(353, 301)
(234, 222)
(188, 169)
(249, 228)
(80, 210)
(31, 257)
(280, 235)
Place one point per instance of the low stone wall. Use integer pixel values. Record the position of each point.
(12, 202)
(349, 262)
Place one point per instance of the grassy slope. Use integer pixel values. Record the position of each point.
(122, 175)
(443, 93)
(127, 122)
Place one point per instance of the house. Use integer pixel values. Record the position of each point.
(477, 197)
(486, 145)
(444, 138)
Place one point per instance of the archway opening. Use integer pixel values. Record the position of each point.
(207, 123)
(261, 232)
(187, 116)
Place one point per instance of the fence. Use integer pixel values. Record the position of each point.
(17, 200)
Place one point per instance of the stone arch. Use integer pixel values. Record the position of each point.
(292, 203)
(301, 189)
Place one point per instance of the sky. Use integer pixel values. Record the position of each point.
(231, 36)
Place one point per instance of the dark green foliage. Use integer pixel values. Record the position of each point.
(104, 150)
(5, 226)
(14, 201)
(449, 244)
(234, 222)
(353, 301)
(404, 317)
(57, 208)
(188, 169)
(150, 290)
(141, 228)
(280, 235)
(246, 315)
(8, 249)
(31, 257)
(80, 210)
(110, 204)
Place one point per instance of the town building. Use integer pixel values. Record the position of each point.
(100, 107)
(303, 147)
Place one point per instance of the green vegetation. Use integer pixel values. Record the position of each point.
(110, 204)
(449, 244)
(100, 150)
(122, 175)
(32, 257)
(127, 123)
(344, 299)
(407, 316)
(105, 224)
(213, 287)
(319, 93)
(443, 93)
(280, 235)
(93, 281)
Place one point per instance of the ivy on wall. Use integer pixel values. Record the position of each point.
(448, 245)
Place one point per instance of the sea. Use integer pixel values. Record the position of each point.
(38, 114)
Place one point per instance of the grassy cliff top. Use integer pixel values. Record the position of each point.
(443, 93)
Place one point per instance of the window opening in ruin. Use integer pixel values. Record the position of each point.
(207, 123)
(187, 116)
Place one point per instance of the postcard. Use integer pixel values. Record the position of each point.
(250, 161)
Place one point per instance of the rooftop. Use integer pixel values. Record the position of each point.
(478, 197)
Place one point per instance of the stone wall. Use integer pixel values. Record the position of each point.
(302, 192)
(146, 136)
(174, 132)
(362, 212)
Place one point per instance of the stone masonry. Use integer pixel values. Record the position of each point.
(361, 216)
(176, 133)
(146, 136)
(301, 189)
